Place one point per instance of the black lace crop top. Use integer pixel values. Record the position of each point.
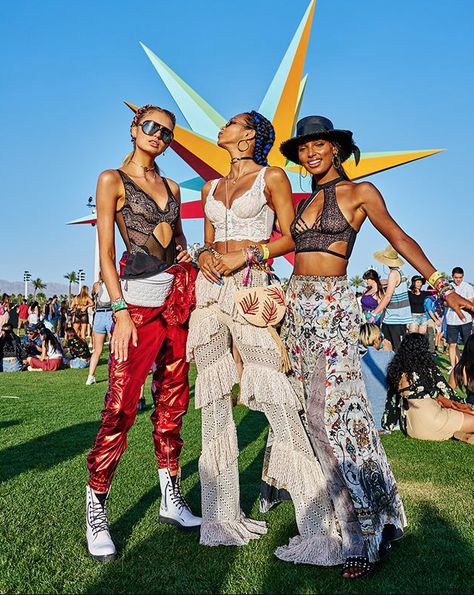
(331, 226)
(140, 221)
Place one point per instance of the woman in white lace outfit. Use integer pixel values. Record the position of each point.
(240, 210)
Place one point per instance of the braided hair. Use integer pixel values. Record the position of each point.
(264, 136)
(138, 117)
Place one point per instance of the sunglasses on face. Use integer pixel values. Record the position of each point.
(150, 127)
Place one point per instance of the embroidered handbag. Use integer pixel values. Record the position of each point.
(263, 306)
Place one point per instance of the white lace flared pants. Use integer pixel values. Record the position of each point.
(214, 325)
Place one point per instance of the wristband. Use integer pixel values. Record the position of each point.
(265, 251)
(256, 254)
(119, 304)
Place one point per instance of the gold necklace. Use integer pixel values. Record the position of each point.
(145, 168)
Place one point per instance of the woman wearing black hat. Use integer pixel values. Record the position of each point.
(321, 332)
(417, 297)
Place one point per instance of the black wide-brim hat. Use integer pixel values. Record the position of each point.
(313, 127)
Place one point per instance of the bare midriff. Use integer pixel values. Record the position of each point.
(319, 264)
(235, 245)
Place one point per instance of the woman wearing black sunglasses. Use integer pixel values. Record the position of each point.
(151, 301)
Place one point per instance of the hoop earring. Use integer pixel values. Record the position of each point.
(336, 160)
(305, 175)
(246, 148)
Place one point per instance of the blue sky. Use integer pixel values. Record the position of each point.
(398, 74)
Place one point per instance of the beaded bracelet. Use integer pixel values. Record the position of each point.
(257, 255)
(118, 304)
(443, 288)
(201, 250)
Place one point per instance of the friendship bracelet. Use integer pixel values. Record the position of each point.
(256, 254)
(118, 304)
(435, 277)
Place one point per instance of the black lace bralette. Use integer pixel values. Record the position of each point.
(139, 217)
(331, 226)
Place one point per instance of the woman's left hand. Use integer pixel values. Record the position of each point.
(456, 302)
(183, 255)
(230, 262)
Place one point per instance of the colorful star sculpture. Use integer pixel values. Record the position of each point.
(281, 104)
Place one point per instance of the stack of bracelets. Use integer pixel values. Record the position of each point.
(260, 252)
(118, 304)
(441, 284)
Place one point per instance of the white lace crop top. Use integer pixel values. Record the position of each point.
(249, 217)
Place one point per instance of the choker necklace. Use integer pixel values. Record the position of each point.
(318, 187)
(144, 167)
(235, 159)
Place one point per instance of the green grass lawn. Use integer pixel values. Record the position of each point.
(46, 433)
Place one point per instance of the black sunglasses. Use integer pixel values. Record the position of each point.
(151, 127)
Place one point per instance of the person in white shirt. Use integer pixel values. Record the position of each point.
(455, 326)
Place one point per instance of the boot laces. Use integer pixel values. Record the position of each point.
(177, 497)
(98, 518)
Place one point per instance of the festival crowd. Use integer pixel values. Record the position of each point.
(301, 357)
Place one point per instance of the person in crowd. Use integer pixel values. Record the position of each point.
(102, 326)
(151, 301)
(51, 357)
(372, 297)
(240, 210)
(395, 302)
(77, 352)
(434, 330)
(5, 309)
(462, 375)
(22, 314)
(457, 329)
(321, 330)
(79, 307)
(416, 297)
(420, 399)
(51, 314)
(33, 313)
(12, 352)
(31, 341)
(63, 319)
(376, 354)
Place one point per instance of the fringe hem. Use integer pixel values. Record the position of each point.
(218, 454)
(317, 550)
(215, 381)
(291, 469)
(261, 385)
(238, 532)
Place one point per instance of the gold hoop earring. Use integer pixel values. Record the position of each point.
(336, 160)
(246, 148)
(305, 175)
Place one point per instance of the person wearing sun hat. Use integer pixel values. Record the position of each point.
(396, 300)
(321, 332)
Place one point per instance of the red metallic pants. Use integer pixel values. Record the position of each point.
(162, 348)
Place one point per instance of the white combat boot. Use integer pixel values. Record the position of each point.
(99, 543)
(174, 509)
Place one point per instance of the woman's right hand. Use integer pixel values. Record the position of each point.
(207, 264)
(124, 331)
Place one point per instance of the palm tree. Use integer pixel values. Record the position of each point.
(38, 284)
(356, 281)
(72, 278)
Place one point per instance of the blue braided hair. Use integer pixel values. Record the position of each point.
(264, 136)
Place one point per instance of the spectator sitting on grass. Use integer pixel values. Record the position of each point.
(77, 350)
(463, 373)
(51, 357)
(420, 399)
(32, 340)
(375, 358)
(11, 350)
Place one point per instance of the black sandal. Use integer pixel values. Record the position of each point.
(358, 563)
